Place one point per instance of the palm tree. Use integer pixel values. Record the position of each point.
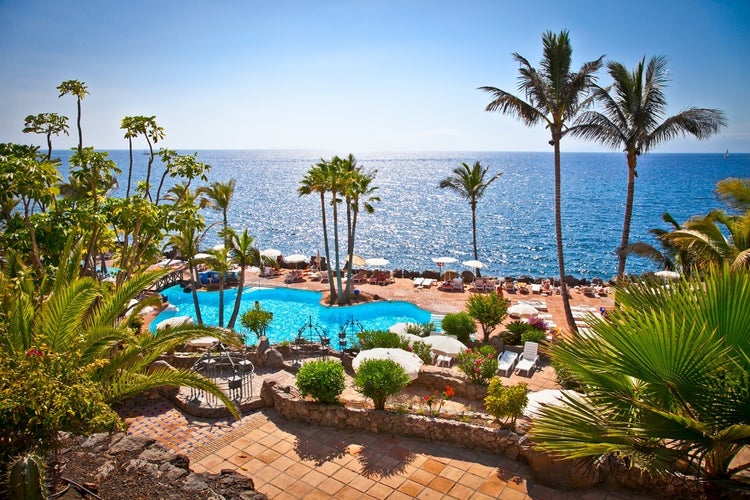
(316, 181)
(631, 119)
(666, 380)
(217, 196)
(553, 96)
(219, 262)
(670, 257)
(470, 183)
(81, 338)
(48, 124)
(187, 242)
(153, 133)
(130, 125)
(244, 254)
(78, 89)
(358, 191)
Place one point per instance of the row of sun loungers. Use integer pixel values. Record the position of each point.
(423, 282)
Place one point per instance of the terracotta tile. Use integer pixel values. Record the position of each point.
(518, 483)
(253, 465)
(268, 456)
(272, 491)
(433, 466)
(314, 478)
(393, 481)
(441, 484)
(471, 481)
(298, 489)
(422, 477)
(461, 491)
(345, 475)
(411, 488)
(298, 470)
(328, 468)
(430, 494)
(349, 493)
(227, 452)
(267, 474)
(361, 483)
(491, 488)
(283, 463)
(316, 494)
(379, 490)
(512, 494)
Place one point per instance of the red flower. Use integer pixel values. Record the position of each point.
(449, 392)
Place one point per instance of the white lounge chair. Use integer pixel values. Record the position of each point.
(506, 362)
(427, 283)
(529, 358)
(418, 282)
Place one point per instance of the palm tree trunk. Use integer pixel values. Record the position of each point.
(80, 131)
(558, 235)
(474, 231)
(130, 166)
(327, 248)
(632, 161)
(193, 289)
(238, 299)
(351, 222)
(340, 293)
(221, 300)
(148, 169)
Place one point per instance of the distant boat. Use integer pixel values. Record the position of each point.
(726, 154)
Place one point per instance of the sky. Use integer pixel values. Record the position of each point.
(349, 76)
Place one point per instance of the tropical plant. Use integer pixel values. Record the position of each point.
(66, 359)
(423, 350)
(554, 96)
(256, 320)
(487, 309)
(703, 238)
(218, 195)
(220, 263)
(479, 365)
(533, 335)
(459, 324)
(506, 403)
(244, 254)
(371, 339)
(631, 119)
(47, 124)
(80, 91)
(470, 183)
(379, 378)
(323, 379)
(513, 332)
(665, 380)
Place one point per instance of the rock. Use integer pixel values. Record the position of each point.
(130, 444)
(273, 359)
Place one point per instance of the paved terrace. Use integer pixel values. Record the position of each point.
(289, 459)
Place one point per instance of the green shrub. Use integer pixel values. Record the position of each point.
(256, 320)
(423, 350)
(422, 330)
(489, 310)
(506, 402)
(379, 378)
(564, 377)
(533, 335)
(322, 379)
(459, 324)
(513, 332)
(479, 365)
(371, 339)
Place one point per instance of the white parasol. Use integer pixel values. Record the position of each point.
(201, 256)
(474, 263)
(357, 260)
(443, 344)
(377, 262)
(522, 311)
(295, 259)
(271, 253)
(173, 322)
(667, 275)
(410, 362)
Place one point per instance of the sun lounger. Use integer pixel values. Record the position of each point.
(529, 358)
(418, 282)
(457, 285)
(427, 283)
(510, 287)
(536, 288)
(506, 362)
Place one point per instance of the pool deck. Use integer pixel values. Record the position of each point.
(292, 460)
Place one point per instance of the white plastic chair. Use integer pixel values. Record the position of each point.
(529, 358)
(506, 362)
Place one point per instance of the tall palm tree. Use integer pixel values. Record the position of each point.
(316, 181)
(130, 125)
(666, 380)
(244, 254)
(219, 262)
(187, 242)
(553, 96)
(78, 89)
(153, 133)
(632, 120)
(47, 124)
(470, 183)
(359, 194)
(218, 195)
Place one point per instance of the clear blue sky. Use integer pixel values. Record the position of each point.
(348, 76)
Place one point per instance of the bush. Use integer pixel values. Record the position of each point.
(489, 310)
(371, 339)
(459, 324)
(423, 350)
(538, 323)
(506, 402)
(533, 335)
(422, 330)
(479, 365)
(379, 378)
(322, 379)
(513, 332)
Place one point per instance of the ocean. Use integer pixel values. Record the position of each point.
(416, 221)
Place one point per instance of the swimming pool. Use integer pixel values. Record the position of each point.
(293, 311)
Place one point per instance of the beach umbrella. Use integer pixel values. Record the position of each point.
(400, 330)
(443, 344)
(410, 362)
(522, 310)
(377, 262)
(173, 322)
(219, 247)
(474, 263)
(201, 256)
(547, 397)
(667, 275)
(449, 275)
(202, 342)
(295, 259)
(440, 261)
(271, 253)
(357, 260)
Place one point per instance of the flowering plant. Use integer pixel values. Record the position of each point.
(479, 365)
(439, 399)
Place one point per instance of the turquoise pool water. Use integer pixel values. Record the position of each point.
(294, 310)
